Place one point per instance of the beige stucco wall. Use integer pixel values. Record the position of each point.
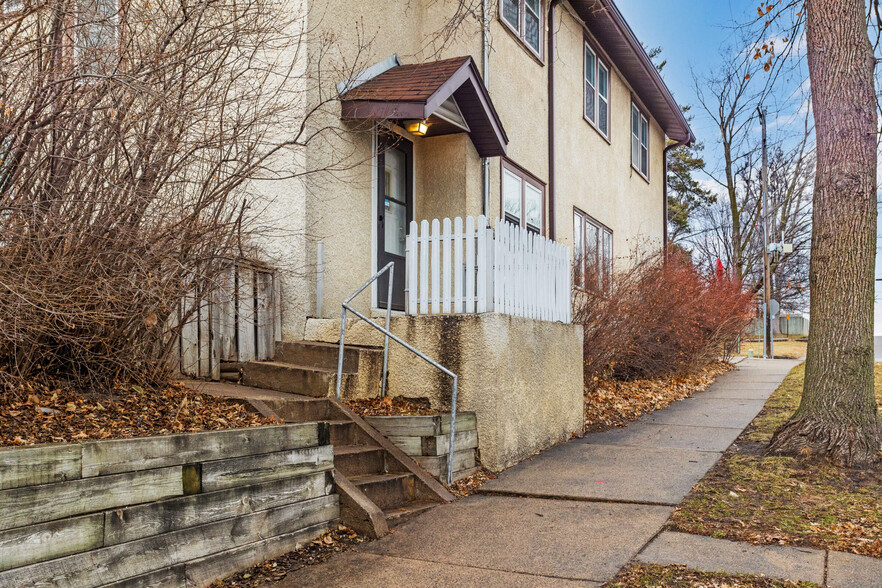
(522, 377)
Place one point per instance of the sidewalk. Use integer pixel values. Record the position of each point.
(571, 516)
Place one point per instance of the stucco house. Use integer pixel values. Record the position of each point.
(481, 161)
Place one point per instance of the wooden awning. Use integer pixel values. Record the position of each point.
(419, 91)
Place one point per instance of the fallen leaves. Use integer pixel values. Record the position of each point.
(471, 484)
(336, 541)
(654, 576)
(613, 403)
(391, 406)
(32, 412)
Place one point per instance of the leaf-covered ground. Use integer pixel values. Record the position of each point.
(749, 496)
(611, 403)
(337, 541)
(652, 576)
(391, 406)
(32, 412)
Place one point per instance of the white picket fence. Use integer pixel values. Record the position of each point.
(465, 267)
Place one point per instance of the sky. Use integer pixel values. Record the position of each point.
(692, 34)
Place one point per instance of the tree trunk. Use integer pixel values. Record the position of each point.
(838, 416)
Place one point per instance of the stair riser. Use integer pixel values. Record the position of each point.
(390, 493)
(304, 412)
(359, 464)
(287, 379)
(317, 356)
(343, 434)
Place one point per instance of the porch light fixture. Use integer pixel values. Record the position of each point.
(419, 128)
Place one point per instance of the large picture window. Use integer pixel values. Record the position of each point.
(525, 19)
(523, 198)
(593, 254)
(596, 91)
(639, 141)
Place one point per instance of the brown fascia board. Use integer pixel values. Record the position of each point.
(593, 12)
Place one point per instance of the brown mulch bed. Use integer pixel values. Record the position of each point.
(654, 576)
(391, 406)
(612, 403)
(271, 571)
(33, 412)
(779, 500)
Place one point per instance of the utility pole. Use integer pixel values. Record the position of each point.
(768, 351)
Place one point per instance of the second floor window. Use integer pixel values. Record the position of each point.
(97, 44)
(525, 18)
(596, 91)
(639, 141)
(593, 255)
(523, 198)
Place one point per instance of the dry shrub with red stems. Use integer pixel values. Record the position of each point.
(659, 318)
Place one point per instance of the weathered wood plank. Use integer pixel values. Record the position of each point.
(437, 465)
(49, 502)
(36, 543)
(123, 455)
(409, 445)
(137, 522)
(39, 464)
(421, 426)
(440, 444)
(128, 560)
(253, 469)
(203, 571)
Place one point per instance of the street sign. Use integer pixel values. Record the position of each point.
(775, 307)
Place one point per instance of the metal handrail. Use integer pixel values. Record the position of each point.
(389, 267)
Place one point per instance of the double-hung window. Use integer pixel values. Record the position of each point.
(525, 19)
(596, 91)
(639, 141)
(523, 198)
(592, 248)
(97, 47)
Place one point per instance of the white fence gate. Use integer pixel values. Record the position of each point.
(465, 267)
(238, 321)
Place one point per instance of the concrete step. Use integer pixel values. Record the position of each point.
(322, 355)
(290, 378)
(396, 516)
(387, 491)
(359, 460)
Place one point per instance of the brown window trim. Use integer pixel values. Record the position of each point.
(539, 55)
(599, 57)
(526, 178)
(602, 228)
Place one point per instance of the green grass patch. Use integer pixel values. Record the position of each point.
(653, 576)
(749, 496)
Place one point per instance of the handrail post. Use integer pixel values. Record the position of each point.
(388, 319)
(340, 354)
(452, 433)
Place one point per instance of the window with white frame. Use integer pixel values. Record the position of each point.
(593, 254)
(596, 91)
(525, 19)
(97, 36)
(639, 141)
(523, 198)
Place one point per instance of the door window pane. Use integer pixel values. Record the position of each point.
(511, 195)
(395, 220)
(533, 206)
(396, 178)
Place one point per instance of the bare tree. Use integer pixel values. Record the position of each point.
(131, 135)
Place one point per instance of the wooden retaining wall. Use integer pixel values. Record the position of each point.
(427, 440)
(175, 510)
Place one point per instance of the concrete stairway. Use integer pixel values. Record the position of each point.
(310, 369)
(379, 486)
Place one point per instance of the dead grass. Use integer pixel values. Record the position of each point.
(612, 403)
(791, 349)
(749, 496)
(653, 576)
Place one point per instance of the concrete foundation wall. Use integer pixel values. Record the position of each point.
(522, 378)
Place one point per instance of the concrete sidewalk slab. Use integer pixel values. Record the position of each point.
(744, 392)
(587, 471)
(708, 412)
(668, 437)
(556, 538)
(847, 570)
(719, 555)
(365, 570)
